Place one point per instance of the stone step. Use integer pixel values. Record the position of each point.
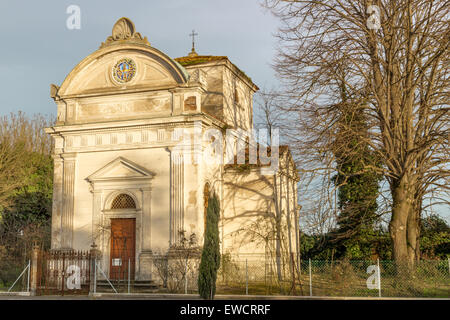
(134, 284)
(122, 286)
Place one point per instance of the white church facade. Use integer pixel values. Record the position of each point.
(137, 139)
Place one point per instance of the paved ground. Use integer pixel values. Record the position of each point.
(124, 296)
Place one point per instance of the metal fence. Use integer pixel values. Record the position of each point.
(14, 274)
(429, 278)
(260, 275)
(63, 271)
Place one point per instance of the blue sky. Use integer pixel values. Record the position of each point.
(38, 49)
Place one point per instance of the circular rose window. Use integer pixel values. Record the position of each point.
(124, 70)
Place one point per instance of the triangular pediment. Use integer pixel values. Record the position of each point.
(120, 168)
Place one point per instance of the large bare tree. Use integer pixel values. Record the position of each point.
(393, 56)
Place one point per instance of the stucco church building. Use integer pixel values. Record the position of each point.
(132, 131)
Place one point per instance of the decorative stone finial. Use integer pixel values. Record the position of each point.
(54, 91)
(124, 30)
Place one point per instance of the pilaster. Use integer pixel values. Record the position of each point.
(57, 202)
(68, 200)
(176, 195)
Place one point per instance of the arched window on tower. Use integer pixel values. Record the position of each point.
(123, 201)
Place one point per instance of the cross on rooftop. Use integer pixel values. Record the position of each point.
(193, 34)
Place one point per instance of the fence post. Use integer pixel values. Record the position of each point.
(265, 277)
(265, 274)
(95, 275)
(246, 278)
(94, 253)
(186, 277)
(379, 278)
(28, 276)
(34, 268)
(310, 279)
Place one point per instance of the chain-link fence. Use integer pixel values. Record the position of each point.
(267, 275)
(260, 275)
(14, 274)
(253, 276)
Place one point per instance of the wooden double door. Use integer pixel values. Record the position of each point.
(123, 248)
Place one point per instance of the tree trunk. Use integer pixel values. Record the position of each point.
(413, 232)
(402, 205)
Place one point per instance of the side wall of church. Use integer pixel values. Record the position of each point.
(212, 100)
(238, 99)
(247, 211)
(250, 214)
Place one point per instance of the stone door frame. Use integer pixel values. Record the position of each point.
(107, 214)
(104, 187)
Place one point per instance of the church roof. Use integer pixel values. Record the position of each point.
(191, 60)
(195, 59)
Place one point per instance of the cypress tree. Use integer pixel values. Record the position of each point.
(210, 261)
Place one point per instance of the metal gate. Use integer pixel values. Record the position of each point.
(63, 272)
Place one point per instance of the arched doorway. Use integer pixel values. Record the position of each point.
(123, 239)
